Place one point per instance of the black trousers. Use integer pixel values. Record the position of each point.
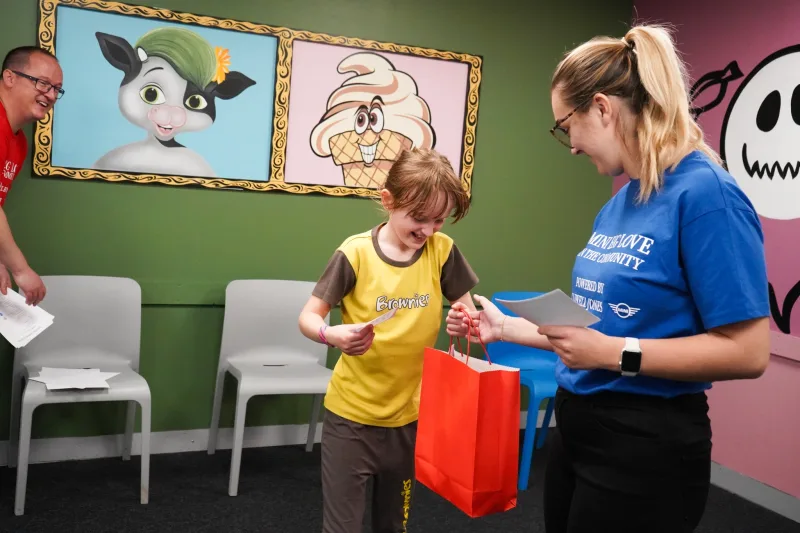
(627, 463)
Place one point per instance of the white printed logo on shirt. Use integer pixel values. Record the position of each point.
(623, 310)
(9, 170)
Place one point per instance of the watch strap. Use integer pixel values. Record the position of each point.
(632, 345)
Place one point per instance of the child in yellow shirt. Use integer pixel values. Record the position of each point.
(371, 406)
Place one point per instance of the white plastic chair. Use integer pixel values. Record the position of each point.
(263, 348)
(97, 324)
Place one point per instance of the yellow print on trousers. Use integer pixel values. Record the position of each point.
(406, 501)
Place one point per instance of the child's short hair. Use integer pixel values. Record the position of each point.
(417, 179)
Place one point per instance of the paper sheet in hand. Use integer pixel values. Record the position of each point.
(375, 321)
(552, 309)
(20, 322)
(73, 378)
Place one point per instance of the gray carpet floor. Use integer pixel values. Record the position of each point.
(279, 492)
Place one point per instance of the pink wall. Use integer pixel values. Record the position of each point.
(755, 429)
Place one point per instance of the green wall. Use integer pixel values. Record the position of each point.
(532, 210)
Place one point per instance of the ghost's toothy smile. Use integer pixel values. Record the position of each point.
(770, 169)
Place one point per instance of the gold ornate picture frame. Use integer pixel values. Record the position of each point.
(158, 96)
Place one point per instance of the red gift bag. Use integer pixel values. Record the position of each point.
(467, 448)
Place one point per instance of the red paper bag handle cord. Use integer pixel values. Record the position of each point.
(458, 341)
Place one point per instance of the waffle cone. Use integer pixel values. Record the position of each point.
(361, 175)
(346, 153)
(344, 146)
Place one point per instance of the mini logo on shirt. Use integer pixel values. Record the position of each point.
(623, 310)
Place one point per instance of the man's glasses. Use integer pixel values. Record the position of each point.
(41, 85)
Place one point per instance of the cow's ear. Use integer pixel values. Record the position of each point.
(235, 83)
(120, 54)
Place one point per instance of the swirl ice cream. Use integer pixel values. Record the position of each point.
(371, 119)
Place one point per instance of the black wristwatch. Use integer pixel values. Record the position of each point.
(630, 360)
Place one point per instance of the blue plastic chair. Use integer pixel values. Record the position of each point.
(537, 373)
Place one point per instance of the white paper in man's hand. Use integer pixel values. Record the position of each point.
(551, 309)
(375, 321)
(20, 322)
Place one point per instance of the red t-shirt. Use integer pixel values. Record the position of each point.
(12, 154)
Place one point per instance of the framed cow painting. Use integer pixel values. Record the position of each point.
(157, 96)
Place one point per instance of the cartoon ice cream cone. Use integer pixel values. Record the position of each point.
(371, 119)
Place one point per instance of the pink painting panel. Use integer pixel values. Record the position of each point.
(755, 430)
(441, 86)
(723, 39)
(753, 422)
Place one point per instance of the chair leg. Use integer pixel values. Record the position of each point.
(130, 419)
(528, 440)
(145, 481)
(312, 425)
(217, 407)
(16, 408)
(236, 448)
(26, 419)
(541, 434)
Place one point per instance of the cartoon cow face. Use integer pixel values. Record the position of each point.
(155, 97)
(761, 132)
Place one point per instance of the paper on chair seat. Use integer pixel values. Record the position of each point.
(73, 378)
(19, 322)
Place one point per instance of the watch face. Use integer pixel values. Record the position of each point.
(631, 361)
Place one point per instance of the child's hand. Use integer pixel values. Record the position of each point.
(457, 324)
(487, 325)
(348, 340)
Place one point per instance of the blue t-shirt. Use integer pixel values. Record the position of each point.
(689, 259)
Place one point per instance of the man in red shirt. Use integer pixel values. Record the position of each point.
(29, 87)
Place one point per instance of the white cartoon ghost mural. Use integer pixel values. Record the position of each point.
(759, 139)
(371, 119)
(171, 79)
(761, 135)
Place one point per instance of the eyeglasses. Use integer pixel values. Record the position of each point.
(41, 85)
(560, 133)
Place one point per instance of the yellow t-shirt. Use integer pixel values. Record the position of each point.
(381, 386)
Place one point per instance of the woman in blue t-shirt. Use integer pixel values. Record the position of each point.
(675, 271)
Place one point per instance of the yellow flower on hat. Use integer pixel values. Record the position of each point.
(223, 62)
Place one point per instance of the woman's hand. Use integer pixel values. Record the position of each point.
(487, 323)
(348, 340)
(584, 348)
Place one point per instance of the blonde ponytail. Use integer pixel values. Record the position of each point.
(666, 130)
(644, 68)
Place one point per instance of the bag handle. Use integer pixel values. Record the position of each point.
(458, 341)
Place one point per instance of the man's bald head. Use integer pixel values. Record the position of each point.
(18, 58)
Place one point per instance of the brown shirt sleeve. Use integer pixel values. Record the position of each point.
(458, 277)
(336, 281)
